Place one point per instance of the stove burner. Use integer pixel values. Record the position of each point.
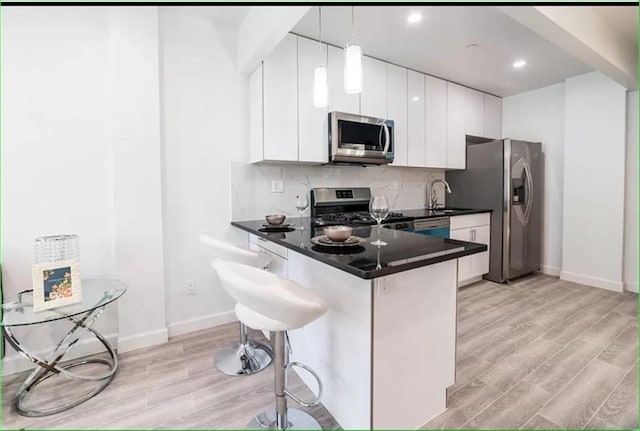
(351, 218)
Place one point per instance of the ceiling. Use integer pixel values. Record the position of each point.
(438, 44)
(623, 19)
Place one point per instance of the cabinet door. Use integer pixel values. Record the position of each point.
(479, 263)
(492, 116)
(373, 99)
(338, 99)
(397, 110)
(436, 122)
(278, 264)
(312, 121)
(474, 112)
(464, 263)
(256, 143)
(456, 140)
(281, 101)
(416, 155)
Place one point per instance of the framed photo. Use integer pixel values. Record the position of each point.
(56, 284)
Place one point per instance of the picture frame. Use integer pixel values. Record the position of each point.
(56, 284)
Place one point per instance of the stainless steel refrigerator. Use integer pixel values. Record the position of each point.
(507, 177)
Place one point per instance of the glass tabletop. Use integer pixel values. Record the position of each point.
(95, 293)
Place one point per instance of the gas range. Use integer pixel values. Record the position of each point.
(345, 206)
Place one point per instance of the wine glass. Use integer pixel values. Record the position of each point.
(379, 210)
(302, 203)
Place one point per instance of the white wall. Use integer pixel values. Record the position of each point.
(134, 131)
(594, 166)
(205, 116)
(80, 154)
(538, 116)
(630, 275)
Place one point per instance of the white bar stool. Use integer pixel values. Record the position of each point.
(245, 356)
(270, 303)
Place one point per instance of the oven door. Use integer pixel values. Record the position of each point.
(358, 139)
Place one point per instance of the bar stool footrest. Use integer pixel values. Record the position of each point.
(299, 400)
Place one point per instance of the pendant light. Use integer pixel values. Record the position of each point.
(320, 84)
(353, 61)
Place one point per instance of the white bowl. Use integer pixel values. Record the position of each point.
(338, 233)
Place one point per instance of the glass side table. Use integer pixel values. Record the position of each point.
(96, 295)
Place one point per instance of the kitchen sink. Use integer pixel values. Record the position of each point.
(449, 210)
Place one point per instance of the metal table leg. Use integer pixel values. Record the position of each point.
(51, 365)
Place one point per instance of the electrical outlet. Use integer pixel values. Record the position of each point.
(277, 186)
(191, 287)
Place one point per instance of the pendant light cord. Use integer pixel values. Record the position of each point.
(320, 30)
(353, 23)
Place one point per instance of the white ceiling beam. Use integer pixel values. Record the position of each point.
(583, 33)
(263, 28)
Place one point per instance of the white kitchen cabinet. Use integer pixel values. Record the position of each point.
(256, 137)
(312, 121)
(472, 228)
(373, 99)
(416, 154)
(338, 99)
(436, 122)
(492, 117)
(279, 263)
(474, 112)
(397, 111)
(280, 92)
(456, 140)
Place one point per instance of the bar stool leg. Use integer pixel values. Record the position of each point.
(283, 418)
(243, 357)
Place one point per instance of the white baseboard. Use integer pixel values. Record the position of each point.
(616, 286)
(16, 363)
(202, 322)
(631, 287)
(144, 339)
(550, 270)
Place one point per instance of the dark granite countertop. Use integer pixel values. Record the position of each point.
(405, 250)
(422, 213)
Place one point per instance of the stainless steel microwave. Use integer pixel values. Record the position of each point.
(360, 140)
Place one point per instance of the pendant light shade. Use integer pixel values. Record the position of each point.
(320, 80)
(353, 61)
(320, 87)
(352, 68)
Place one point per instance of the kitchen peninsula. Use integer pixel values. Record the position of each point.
(386, 349)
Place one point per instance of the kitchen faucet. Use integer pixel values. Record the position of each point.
(432, 199)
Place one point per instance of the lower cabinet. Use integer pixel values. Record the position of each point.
(472, 228)
(277, 253)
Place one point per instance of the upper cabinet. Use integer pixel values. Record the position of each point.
(456, 140)
(312, 122)
(436, 122)
(416, 125)
(338, 99)
(431, 116)
(492, 117)
(397, 110)
(373, 99)
(474, 112)
(280, 101)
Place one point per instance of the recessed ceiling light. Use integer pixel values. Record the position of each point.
(472, 46)
(414, 17)
(519, 63)
(415, 99)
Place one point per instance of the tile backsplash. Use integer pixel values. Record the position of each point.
(252, 198)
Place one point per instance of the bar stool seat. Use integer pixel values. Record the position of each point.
(245, 356)
(270, 303)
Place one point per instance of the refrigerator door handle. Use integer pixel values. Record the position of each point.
(527, 212)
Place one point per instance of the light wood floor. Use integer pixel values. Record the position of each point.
(544, 354)
(540, 353)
